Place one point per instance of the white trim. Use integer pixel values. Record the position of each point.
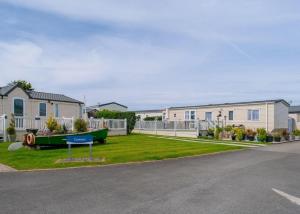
(267, 116)
(54, 112)
(13, 105)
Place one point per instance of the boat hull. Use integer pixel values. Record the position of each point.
(58, 140)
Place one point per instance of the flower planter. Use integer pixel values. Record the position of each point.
(269, 139)
(277, 139)
(250, 138)
(297, 137)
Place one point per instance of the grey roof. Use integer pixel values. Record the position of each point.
(236, 103)
(4, 91)
(52, 97)
(105, 104)
(294, 109)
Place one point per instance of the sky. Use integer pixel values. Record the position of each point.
(154, 54)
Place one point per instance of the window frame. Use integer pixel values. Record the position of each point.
(232, 115)
(13, 106)
(211, 115)
(251, 116)
(56, 109)
(40, 109)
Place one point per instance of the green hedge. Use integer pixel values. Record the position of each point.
(159, 118)
(130, 116)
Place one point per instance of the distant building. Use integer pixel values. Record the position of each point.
(112, 106)
(142, 114)
(294, 117)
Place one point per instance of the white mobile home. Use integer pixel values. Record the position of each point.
(268, 114)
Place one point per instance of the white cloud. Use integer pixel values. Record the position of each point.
(207, 57)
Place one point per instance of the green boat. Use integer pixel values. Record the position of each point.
(60, 140)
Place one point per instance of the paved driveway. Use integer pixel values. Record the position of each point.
(236, 182)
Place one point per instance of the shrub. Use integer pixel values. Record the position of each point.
(11, 129)
(228, 128)
(159, 118)
(239, 133)
(211, 132)
(262, 135)
(130, 116)
(80, 125)
(281, 132)
(250, 133)
(296, 132)
(218, 131)
(52, 124)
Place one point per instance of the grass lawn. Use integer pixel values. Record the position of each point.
(119, 149)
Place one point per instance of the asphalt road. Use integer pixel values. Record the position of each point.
(236, 182)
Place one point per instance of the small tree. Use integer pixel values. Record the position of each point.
(23, 84)
(80, 125)
(11, 130)
(52, 124)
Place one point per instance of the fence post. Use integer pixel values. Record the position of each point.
(72, 124)
(125, 124)
(175, 127)
(198, 129)
(4, 128)
(155, 126)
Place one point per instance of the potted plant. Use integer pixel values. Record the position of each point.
(250, 134)
(80, 125)
(285, 134)
(262, 135)
(239, 133)
(11, 130)
(270, 138)
(210, 132)
(296, 133)
(52, 124)
(277, 137)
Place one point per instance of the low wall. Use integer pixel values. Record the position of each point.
(117, 132)
(177, 133)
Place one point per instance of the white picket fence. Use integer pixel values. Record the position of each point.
(23, 123)
(3, 127)
(111, 124)
(184, 128)
(174, 125)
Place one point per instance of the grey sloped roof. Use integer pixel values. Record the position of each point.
(51, 96)
(105, 104)
(294, 109)
(4, 91)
